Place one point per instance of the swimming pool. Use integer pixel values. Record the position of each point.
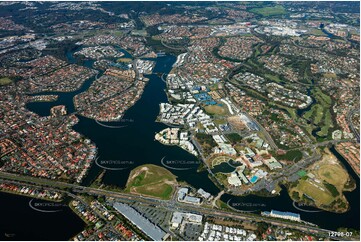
(254, 179)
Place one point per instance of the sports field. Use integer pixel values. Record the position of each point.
(216, 109)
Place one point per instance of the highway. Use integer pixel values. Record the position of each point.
(169, 205)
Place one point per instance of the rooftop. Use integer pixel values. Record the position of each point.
(153, 231)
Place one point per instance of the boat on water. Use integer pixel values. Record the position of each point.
(160, 54)
(9, 235)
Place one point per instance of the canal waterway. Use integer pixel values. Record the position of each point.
(133, 144)
(20, 222)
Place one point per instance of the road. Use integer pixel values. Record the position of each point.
(288, 173)
(324, 143)
(349, 120)
(267, 136)
(172, 48)
(170, 205)
(203, 159)
(107, 226)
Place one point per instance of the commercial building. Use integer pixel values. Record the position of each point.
(182, 192)
(150, 229)
(178, 218)
(192, 200)
(204, 194)
(283, 215)
(272, 163)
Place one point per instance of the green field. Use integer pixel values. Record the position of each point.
(5, 81)
(292, 155)
(327, 124)
(324, 184)
(273, 78)
(219, 121)
(207, 143)
(321, 197)
(142, 32)
(215, 109)
(234, 138)
(333, 174)
(302, 173)
(318, 32)
(315, 114)
(125, 60)
(320, 112)
(163, 191)
(219, 160)
(151, 180)
(222, 178)
(269, 11)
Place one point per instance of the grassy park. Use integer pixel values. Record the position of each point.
(215, 161)
(5, 81)
(151, 180)
(269, 11)
(323, 186)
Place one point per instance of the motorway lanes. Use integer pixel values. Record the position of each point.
(171, 205)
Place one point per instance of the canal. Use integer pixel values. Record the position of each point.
(133, 144)
(20, 222)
